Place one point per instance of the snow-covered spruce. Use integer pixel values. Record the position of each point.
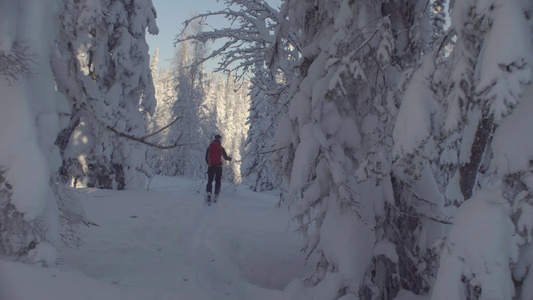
(30, 109)
(102, 67)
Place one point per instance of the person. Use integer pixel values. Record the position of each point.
(213, 157)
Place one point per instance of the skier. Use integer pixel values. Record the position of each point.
(213, 157)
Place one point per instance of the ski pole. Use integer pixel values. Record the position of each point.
(198, 191)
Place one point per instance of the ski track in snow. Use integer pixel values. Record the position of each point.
(165, 243)
(203, 253)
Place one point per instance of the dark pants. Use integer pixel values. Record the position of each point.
(214, 172)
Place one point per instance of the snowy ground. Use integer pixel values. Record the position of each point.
(166, 244)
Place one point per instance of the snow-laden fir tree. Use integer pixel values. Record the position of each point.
(103, 69)
(152, 120)
(336, 141)
(475, 137)
(191, 97)
(31, 115)
(213, 93)
(226, 108)
(269, 95)
(232, 115)
(165, 93)
(204, 107)
(263, 119)
(187, 97)
(153, 63)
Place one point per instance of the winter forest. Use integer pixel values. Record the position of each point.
(397, 134)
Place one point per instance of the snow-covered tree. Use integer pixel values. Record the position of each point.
(232, 110)
(154, 62)
(268, 99)
(103, 69)
(182, 96)
(224, 112)
(393, 123)
(189, 106)
(31, 115)
(474, 136)
(255, 44)
(335, 144)
(165, 93)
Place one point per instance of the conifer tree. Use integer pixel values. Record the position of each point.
(188, 105)
(268, 100)
(335, 142)
(105, 75)
(480, 93)
(33, 211)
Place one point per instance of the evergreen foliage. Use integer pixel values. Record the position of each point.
(103, 70)
(401, 144)
(206, 105)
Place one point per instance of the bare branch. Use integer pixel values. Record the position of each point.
(271, 151)
(142, 140)
(17, 63)
(421, 215)
(252, 35)
(160, 130)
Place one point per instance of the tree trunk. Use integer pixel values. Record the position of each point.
(470, 170)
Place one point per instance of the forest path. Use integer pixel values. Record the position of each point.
(168, 244)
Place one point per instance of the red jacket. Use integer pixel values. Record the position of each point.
(214, 154)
